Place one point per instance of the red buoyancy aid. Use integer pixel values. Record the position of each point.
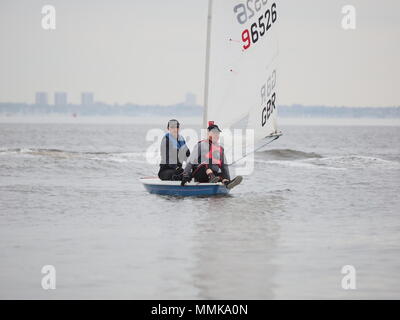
(210, 154)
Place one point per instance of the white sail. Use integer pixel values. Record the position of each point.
(241, 69)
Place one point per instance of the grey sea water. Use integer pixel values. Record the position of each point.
(321, 197)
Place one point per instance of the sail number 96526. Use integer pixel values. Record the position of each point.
(260, 28)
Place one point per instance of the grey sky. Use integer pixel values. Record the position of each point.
(152, 52)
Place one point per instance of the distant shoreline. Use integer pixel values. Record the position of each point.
(99, 109)
(188, 121)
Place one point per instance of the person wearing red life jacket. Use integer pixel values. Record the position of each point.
(207, 162)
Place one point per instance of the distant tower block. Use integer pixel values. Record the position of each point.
(41, 98)
(87, 98)
(60, 99)
(190, 99)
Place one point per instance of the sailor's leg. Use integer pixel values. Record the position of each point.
(234, 182)
(177, 177)
(166, 174)
(200, 174)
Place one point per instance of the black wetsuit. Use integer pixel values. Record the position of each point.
(203, 158)
(173, 153)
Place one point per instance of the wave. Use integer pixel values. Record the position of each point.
(289, 154)
(286, 157)
(337, 162)
(37, 151)
(90, 155)
(356, 161)
(299, 164)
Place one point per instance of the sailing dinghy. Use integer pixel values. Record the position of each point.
(240, 89)
(174, 188)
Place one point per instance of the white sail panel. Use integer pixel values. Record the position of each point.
(243, 75)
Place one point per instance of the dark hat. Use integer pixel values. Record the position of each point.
(173, 123)
(214, 127)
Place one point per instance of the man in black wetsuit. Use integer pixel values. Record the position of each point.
(173, 152)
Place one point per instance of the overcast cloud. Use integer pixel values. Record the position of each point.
(152, 52)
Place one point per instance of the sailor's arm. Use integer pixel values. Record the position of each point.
(190, 162)
(225, 172)
(188, 169)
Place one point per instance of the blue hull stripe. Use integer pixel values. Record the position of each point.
(186, 190)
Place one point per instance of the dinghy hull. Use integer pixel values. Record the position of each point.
(174, 188)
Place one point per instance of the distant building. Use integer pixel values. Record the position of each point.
(87, 98)
(190, 99)
(41, 98)
(60, 99)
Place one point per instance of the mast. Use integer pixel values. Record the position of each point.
(207, 72)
